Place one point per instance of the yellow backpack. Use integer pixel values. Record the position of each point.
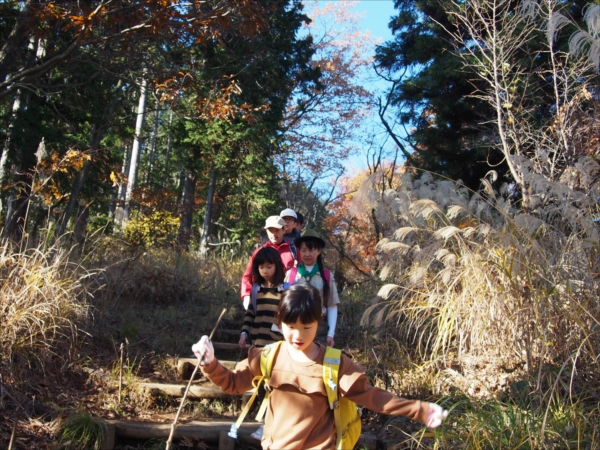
(346, 413)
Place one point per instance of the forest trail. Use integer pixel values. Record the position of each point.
(210, 431)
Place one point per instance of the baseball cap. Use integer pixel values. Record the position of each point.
(288, 212)
(274, 222)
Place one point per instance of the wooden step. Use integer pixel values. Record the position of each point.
(210, 391)
(206, 431)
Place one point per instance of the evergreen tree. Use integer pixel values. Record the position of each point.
(432, 93)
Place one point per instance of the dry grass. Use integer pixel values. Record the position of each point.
(43, 301)
(162, 300)
(490, 297)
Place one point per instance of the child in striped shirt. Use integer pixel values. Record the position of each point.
(268, 273)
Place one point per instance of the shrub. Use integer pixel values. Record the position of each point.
(472, 275)
(43, 298)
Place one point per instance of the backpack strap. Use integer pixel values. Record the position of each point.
(327, 275)
(267, 356)
(294, 253)
(254, 294)
(331, 368)
(293, 272)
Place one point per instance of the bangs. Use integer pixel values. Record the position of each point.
(300, 302)
(268, 255)
(311, 243)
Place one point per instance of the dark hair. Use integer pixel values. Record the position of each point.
(302, 302)
(268, 255)
(300, 218)
(312, 243)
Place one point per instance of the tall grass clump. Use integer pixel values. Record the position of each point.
(43, 301)
(158, 297)
(81, 431)
(470, 274)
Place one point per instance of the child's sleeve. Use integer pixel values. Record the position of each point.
(235, 381)
(334, 298)
(355, 386)
(248, 320)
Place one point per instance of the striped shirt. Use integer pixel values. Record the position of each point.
(262, 327)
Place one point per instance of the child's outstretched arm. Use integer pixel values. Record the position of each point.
(237, 381)
(355, 386)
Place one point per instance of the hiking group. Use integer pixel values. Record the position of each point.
(291, 304)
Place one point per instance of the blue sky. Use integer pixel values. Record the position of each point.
(377, 17)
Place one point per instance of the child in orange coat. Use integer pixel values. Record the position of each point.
(299, 415)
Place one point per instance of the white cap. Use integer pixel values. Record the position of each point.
(274, 222)
(288, 212)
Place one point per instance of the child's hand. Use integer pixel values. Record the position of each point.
(436, 415)
(330, 342)
(243, 337)
(204, 348)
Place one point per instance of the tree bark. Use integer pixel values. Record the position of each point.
(95, 139)
(83, 213)
(168, 152)
(187, 210)
(9, 131)
(207, 213)
(77, 187)
(135, 150)
(152, 146)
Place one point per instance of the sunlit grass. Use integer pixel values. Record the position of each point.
(82, 431)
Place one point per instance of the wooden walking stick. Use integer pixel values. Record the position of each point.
(174, 424)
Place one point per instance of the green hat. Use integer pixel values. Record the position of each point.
(309, 234)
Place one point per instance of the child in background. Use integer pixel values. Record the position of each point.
(311, 271)
(299, 415)
(260, 324)
(268, 274)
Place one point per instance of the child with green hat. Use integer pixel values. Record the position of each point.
(312, 271)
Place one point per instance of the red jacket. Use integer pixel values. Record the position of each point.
(286, 256)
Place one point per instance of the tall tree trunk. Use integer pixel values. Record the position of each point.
(62, 226)
(207, 213)
(83, 213)
(98, 133)
(16, 221)
(134, 163)
(187, 210)
(152, 145)
(9, 131)
(120, 207)
(168, 152)
(116, 192)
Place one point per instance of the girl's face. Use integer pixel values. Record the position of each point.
(300, 335)
(309, 257)
(266, 270)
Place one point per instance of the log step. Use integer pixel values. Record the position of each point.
(185, 366)
(205, 431)
(177, 390)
